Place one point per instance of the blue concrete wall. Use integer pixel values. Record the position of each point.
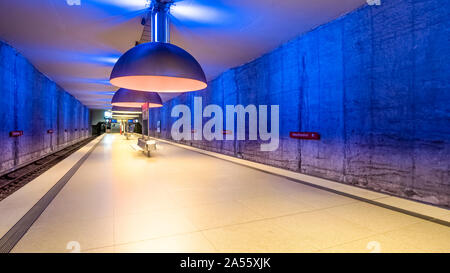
(33, 103)
(374, 83)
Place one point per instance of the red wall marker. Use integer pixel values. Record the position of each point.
(305, 135)
(145, 106)
(16, 133)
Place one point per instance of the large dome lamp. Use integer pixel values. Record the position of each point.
(132, 98)
(158, 66)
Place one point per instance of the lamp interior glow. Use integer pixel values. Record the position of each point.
(159, 83)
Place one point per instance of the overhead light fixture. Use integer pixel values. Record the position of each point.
(158, 66)
(126, 110)
(123, 116)
(132, 98)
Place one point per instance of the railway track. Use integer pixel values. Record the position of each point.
(12, 181)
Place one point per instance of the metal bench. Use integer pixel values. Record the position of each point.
(146, 145)
(127, 135)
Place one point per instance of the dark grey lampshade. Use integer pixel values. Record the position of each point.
(132, 98)
(158, 67)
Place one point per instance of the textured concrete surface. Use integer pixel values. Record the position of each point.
(32, 103)
(374, 83)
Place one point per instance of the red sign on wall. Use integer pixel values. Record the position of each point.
(16, 133)
(145, 110)
(305, 135)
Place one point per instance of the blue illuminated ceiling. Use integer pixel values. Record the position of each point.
(77, 45)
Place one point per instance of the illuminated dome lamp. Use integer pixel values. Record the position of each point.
(132, 98)
(126, 110)
(158, 66)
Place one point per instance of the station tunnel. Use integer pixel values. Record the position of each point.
(255, 126)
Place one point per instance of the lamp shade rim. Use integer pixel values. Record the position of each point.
(163, 84)
(135, 104)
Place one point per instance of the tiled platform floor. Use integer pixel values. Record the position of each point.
(182, 201)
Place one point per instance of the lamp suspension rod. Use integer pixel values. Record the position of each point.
(159, 12)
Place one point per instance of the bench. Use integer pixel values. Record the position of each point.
(146, 145)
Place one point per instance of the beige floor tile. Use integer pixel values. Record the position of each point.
(20, 202)
(258, 236)
(417, 207)
(4, 230)
(430, 237)
(375, 218)
(143, 226)
(374, 244)
(143, 201)
(109, 249)
(219, 214)
(250, 191)
(55, 237)
(185, 243)
(63, 210)
(276, 205)
(193, 197)
(287, 187)
(445, 217)
(322, 229)
(321, 199)
(10, 215)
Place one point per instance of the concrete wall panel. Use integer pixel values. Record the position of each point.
(34, 104)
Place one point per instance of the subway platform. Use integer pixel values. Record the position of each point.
(182, 200)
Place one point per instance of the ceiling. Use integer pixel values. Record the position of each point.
(77, 45)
